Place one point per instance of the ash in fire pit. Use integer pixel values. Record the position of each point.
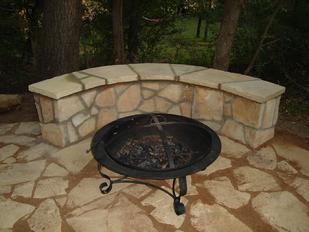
(149, 153)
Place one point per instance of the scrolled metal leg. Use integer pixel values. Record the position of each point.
(107, 185)
(179, 207)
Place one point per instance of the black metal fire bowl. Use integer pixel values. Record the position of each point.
(155, 146)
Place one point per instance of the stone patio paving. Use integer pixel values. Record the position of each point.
(43, 188)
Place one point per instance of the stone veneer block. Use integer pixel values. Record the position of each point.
(258, 90)
(256, 138)
(106, 116)
(54, 133)
(129, 99)
(57, 87)
(87, 127)
(213, 78)
(233, 130)
(113, 73)
(181, 69)
(207, 104)
(47, 109)
(247, 112)
(106, 98)
(154, 71)
(67, 107)
(172, 92)
(270, 108)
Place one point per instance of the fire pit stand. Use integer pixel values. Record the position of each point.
(157, 147)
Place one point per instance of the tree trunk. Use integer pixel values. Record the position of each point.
(206, 30)
(198, 28)
(118, 31)
(133, 31)
(258, 49)
(232, 9)
(61, 32)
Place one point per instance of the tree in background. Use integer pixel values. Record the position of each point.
(232, 10)
(60, 38)
(118, 40)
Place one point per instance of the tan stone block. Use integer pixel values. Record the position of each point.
(87, 127)
(113, 73)
(80, 118)
(228, 97)
(187, 93)
(208, 104)
(275, 119)
(154, 85)
(148, 105)
(57, 87)
(38, 109)
(172, 92)
(154, 71)
(212, 78)
(213, 125)
(269, 113)
(148, 93)
(106, 98)
(106, 116)
(185, 108)
(181, 69)
(256, 90)
(47, 109)
(67, 107)
(120, 88)
(233, 130)
(92, 82)
(162, 105)
(174, 110)
(73, 136)
(256, 137)
(54, 134)
(227, 109)
(88, 97)
(248, 112)
(129, 99)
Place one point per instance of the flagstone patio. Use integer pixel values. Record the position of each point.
(44, 188)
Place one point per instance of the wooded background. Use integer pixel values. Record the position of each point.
(268, 39)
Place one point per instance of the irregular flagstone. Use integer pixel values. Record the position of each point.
(137, 191)
(21, 172)
(286, 167)
(122, 216)
(51, 187)
(232, 149)
(101, 203)
(74, 158)
(252, 179)
(8, 151)
(6, 127)
(18, 139)
(220, 164)
(5, 189)
(301, 186)
(55, 170)
(295, 154)
(37, 151)
(32, 128)
(10, 160)
(61, 200)
(225, 194)
(46, 218)
(214, 218)
(264, 158)
(12, 211)
(164, 210)
(88, 190)
(282, 210)
(23, 190)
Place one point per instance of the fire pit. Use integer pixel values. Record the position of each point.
(155, 146)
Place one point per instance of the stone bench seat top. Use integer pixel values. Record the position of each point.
(245, 86)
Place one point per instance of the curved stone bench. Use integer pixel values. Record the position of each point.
(73, 106)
